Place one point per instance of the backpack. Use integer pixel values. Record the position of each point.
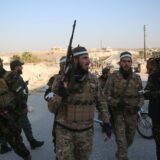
(7, 98)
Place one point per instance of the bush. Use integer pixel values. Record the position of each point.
(15, 57)
(26, 57)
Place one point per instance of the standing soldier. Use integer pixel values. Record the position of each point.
(74, 110)
(103, 78)
(48, 93)
(9, 127)
(4, 146)
(19, 88)
(122, 92)
(152, 93)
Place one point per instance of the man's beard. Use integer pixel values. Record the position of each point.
(20, 71)
(80, 70)
(80, 73)
(125, 73)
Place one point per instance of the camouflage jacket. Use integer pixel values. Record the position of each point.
(102, 81)
(17, 85)
(114, 89)
(49, 85)
(77, 112)
(7, 98)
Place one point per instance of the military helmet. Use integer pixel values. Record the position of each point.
(79, 50)
(15, 63)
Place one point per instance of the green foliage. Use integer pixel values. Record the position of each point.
(15, 57)
(26, 57)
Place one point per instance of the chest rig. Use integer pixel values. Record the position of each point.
(80, 105)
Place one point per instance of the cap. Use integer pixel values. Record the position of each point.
(79, 51)
(15, 63)
(125, 54)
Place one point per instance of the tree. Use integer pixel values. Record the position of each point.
(26, 57)
(15, 57)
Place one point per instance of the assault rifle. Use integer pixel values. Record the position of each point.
(69, 66)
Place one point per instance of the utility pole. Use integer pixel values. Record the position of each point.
(145, 55)
(101, 44)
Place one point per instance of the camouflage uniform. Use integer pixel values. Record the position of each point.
(124, 115)
(74, 118)
(102, 80)
(47, 95)
(9, 127)
(49, 87)
(19, 88)
(153, 94)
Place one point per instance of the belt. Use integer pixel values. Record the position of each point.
(79, 102)
(74, 130)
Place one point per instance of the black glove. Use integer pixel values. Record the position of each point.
(62, 91)
(107, 128)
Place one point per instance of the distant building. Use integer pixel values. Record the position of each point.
(58, 50)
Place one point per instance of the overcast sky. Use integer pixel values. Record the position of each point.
(41, 24)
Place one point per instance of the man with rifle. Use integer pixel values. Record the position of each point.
(78, 92)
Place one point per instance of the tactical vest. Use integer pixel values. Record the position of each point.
(78, 111)
(131, 95)
(7, 98)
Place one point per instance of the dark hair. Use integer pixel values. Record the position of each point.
(152, 65)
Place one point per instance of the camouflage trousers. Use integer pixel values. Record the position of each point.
(73, 145)
(124, 127)
(10, 130)
(26, 126)
(156, 134)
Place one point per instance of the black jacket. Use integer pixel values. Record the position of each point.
(153, 94)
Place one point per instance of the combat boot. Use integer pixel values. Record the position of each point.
(34, 143)
(27, 158)
(5, 148)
